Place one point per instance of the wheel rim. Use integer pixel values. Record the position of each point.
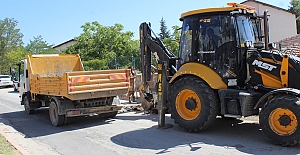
(188, 104)
(283, 121)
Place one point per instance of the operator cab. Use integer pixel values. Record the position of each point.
(217, 38)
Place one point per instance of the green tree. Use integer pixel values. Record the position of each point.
(39, 46)
(10, 38)
(172, 43)
(14, 56)
(99, 45)
(295, 7)
(164, 32)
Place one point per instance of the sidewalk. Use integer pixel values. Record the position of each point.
(30, 146)
(27, 146)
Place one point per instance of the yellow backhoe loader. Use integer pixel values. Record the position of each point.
(225, 67)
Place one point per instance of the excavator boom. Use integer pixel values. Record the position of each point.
(151, 45)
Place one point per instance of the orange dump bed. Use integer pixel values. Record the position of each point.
(63, 75)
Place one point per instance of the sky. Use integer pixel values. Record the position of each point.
(58, 21)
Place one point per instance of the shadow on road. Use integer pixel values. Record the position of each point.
(13, 92)
(10, 90)
(229, 134)
(5, 87)
(38, 124)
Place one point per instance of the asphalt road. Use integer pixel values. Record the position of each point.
(129, 133)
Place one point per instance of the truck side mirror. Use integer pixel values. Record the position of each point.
(271, 46)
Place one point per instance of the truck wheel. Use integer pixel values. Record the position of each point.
(67, 120)
(113, 114)
(55, 118)
(279, 120)
(192, 104)
(108, 115)
(15, 89)
(27, 105)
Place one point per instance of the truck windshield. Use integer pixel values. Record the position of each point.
(245, 29)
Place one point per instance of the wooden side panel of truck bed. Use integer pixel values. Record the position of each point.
(63, 75)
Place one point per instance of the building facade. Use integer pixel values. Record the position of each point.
(282, 23)
(65, 45)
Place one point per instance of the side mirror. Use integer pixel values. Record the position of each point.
(271, 46)
(248, 44)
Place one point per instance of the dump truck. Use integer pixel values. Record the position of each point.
(59, 82)
(225, 67)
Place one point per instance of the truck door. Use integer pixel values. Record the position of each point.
(23, 78)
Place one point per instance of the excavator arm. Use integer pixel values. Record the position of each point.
(152, 45)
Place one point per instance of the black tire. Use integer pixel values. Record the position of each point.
(193, 104)
(113, 114)
(68, 120)
(108, 115)
(280, 120)
(15, 89)
(28, 107)
(55, 118)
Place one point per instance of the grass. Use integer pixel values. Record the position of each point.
(6, 148)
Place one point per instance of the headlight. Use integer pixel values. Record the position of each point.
(248, 44)
(240, 11)
(272, 45)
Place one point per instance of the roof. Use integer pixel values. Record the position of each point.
(231, 7)
(269, 5)
(290, 45)
(64, 43)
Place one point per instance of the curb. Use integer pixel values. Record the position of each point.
(26, 146)
(13, 143)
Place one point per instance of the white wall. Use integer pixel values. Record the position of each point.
(64, 46)
(282, 24)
